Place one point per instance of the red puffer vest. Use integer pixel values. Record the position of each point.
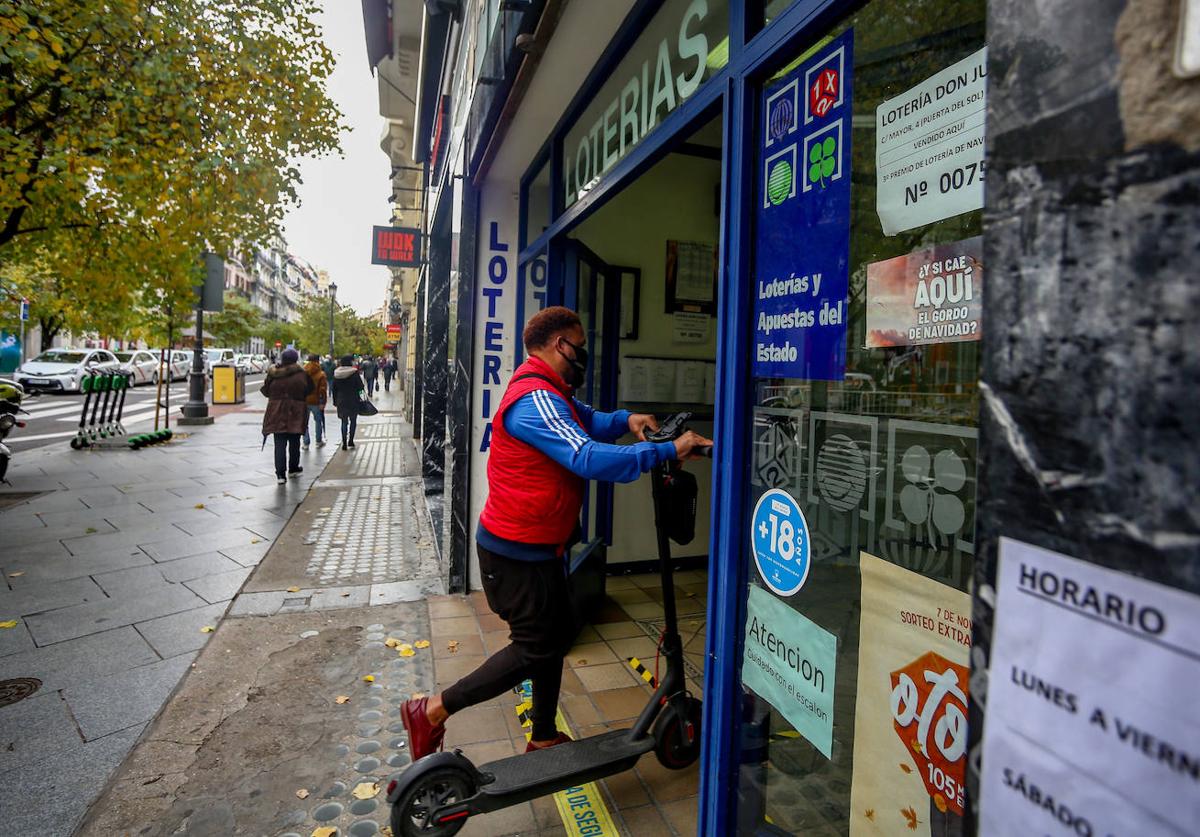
(531, 498)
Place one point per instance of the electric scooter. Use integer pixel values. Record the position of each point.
(11, 394)
(437, 793)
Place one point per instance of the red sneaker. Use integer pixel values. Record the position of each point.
(423, 737)
(561, 738)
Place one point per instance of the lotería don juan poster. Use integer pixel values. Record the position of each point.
(802, 234)
(910, 724)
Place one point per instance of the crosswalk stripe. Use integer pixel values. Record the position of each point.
(125, 419)
(35, 413)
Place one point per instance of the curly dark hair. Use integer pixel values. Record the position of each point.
(545, 324)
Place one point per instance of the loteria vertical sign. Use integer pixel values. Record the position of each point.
(396, 246)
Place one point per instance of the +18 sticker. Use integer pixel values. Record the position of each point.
(779, 539)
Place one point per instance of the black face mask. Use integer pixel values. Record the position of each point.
(578, 364)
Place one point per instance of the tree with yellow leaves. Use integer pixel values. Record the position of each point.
(135, 134)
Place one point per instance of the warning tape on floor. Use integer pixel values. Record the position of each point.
(581, 808)
(642, 671)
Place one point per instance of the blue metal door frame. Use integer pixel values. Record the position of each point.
(733, 90)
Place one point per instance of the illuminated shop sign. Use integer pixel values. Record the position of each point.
(683, 45)
(396, 246)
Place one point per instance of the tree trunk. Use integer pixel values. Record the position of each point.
(50, 329)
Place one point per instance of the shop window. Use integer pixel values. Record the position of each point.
(773, 8)
(683, 45)
(537, 204)
(867, 277)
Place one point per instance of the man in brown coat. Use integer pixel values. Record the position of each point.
(287, 387)
(316, 400)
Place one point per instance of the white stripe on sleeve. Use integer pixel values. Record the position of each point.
(569, 427)
(548, 418)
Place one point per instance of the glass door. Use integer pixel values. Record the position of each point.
(867, 279)
(593, 291)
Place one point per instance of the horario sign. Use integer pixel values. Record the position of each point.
(396, 246)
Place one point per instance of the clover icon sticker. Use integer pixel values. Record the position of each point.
(930, 496)
(822, 158)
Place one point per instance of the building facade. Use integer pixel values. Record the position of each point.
(921, 270)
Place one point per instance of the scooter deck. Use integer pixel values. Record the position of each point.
(565, 765)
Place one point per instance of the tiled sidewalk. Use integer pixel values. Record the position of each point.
(600, 691)
(109, 574)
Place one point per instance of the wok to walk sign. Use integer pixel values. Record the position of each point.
(910, 729)
(396, 246)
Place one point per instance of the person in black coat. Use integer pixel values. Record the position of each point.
(347, 393)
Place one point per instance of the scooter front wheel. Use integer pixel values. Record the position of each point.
(677, 745)
(413, 811)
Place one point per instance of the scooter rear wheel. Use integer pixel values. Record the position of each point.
(676, 750)
(412, 811)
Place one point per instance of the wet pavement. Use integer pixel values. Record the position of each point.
(113, 562)
(275, 729)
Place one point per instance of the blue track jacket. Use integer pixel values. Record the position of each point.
(543, 420)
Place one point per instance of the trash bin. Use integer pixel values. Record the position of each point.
(229, 385)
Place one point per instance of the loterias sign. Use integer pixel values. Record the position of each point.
(681, 46)
(396, 246)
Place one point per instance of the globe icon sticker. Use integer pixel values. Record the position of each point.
(780, 542)
(779, 182)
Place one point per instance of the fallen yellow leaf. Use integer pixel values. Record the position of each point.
(325, 831)
(293, 589)
(365, 790)
(453, 646)
(369, 678)
(391, 642)
(407, 652)
(386, 831)
(11, 623)
(256, 540)
(207, 629)
(199, 505)
(403, 646)
(342, 699)
(421, 643)
(302, 793)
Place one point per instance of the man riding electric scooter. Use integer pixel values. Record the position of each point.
(545, 445)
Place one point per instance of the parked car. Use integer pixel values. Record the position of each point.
(142, 364)
(262, 362)
(60, 370)
(245, 363)
(217, 357)
(181, 364)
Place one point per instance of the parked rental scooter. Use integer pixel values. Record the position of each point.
(11, 395)
(436, 794)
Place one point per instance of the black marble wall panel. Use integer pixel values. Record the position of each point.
(434, 379)
(414, 394)
(1090, 409)
(458, 410)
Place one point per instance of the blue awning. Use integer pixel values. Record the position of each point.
(377, 24)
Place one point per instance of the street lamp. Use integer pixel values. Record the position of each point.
(332, 298)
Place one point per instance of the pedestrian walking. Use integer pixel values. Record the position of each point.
(370, 374)
(389, 369)
(287, 387)
(316, 402)
(327, 366)
(347, 395)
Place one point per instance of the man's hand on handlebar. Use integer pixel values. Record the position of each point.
(639, 423)
(692, 445)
